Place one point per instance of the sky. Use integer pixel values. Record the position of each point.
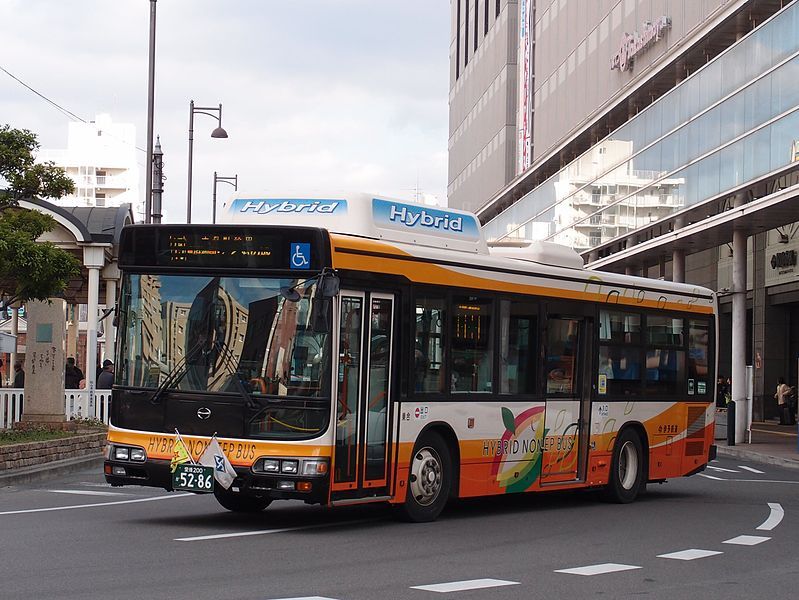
(337, 95)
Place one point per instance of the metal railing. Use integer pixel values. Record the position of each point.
(76, 405)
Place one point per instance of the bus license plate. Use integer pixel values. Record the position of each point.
(193, 478)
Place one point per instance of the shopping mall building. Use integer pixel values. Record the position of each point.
(656, 137)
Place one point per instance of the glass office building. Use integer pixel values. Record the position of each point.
(643, 133)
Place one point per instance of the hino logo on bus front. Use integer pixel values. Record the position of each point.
(204, 413)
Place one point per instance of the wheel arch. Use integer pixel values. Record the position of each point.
(451, 440)
(638, 428)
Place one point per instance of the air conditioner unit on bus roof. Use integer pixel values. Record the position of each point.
(547, 253)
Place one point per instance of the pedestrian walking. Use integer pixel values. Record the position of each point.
(72, 375)
(784, 396)
(721, 393)
(106, 378)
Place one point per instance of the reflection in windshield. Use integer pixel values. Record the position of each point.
(222, 333)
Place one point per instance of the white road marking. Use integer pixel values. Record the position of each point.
(461, 586)
(96, 504)
(88, 493)
(307, 598)
(751, 470)
(95, 484)
(691, 554)
(774, 518)
(711, 477)
(222, 536)
(598, 569)
(747, 540)
(722, 469)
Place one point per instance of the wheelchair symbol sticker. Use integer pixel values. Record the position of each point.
(300, 256)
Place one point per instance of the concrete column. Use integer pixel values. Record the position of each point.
(110, 330)
(93, 259)
(15, 332)
(73, 330)
(738, 355)
(678, 266)
(44, 373)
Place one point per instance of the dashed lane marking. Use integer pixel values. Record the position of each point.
(88, 493)
(598, 569)
(95, 505)
(747, 540)
(461, 586)
(751, 470)
(690, 554)
(222, 536)
(722, 469)
(711, 477)
(774, 518)
(307, 598)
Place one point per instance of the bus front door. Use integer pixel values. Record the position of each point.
(361, 411)
(568, 399)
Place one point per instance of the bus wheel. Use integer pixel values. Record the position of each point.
(429, 481)
(626, 469)
(237, 502)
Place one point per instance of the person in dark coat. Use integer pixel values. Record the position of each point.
(72, 375)
(19, 375)
(106, 379)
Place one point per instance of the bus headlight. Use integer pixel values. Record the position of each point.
(121, 453)
(138, 454)
(289, 466)
(270, 465)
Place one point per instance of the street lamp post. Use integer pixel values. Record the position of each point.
(216, 133)
(234, 181)
(148, 190)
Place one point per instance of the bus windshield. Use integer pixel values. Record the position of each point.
(201, 333)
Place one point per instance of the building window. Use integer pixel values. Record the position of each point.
(466, 35)
(497, 15)
(476, 22)
(485, 23)
(458, 40)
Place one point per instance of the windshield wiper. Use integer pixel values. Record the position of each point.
(176, 374)
(229, 362)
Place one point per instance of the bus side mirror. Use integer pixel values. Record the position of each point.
(327, 287)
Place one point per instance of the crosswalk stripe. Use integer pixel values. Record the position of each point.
(461, 586)
(690, 554)
(598, 569)
(750, 469)
(747, 540)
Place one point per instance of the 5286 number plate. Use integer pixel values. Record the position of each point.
(193, 478)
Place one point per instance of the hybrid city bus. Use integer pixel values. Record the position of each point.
(359, 349)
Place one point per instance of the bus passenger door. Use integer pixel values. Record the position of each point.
(567, 368)
(362, 409)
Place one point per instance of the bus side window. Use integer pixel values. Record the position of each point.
(429, 347)
(518, 323)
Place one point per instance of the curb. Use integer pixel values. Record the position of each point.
(743, 454)
(51, 469)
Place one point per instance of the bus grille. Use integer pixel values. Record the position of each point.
(695, 436)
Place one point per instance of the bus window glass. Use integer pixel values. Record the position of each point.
(664, 331)
(472, 356)
(561, 356)
(517, 348)
(621, 367)
(428, 362)
(698, 355)
(619, 327)
(665, 371)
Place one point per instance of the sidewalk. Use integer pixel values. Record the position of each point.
(772, 444)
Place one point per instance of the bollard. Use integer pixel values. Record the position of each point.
(731, 423)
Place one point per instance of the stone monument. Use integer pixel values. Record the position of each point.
(44, 365)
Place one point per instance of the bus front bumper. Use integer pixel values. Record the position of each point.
(157, 473)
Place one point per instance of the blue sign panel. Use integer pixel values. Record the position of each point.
(423, 219)
(300, 256)
(293, 206)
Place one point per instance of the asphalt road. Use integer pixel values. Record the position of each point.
(75, 537)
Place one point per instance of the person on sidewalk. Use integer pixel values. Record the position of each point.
(19, 375)
(784, 396)
(106, 379)
(72, 375)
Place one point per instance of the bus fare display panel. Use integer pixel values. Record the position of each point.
(223, 247)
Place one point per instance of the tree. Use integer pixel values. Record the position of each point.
(29, 270)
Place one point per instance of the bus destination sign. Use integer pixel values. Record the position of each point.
(188, 248)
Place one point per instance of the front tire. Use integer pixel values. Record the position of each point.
(429, 480)
(238, 502)
(626, 469)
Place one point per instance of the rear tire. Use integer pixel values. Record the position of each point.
(429, 480)
(626, 469)
(238, 502)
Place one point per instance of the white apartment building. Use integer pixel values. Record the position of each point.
(100, 157)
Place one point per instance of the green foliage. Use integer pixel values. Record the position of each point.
(22, 436)
(25, 178)
(29, 270)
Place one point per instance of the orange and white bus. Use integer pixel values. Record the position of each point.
(355, 349)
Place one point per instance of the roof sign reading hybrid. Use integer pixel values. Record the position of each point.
(423, 219)
(288, 205)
